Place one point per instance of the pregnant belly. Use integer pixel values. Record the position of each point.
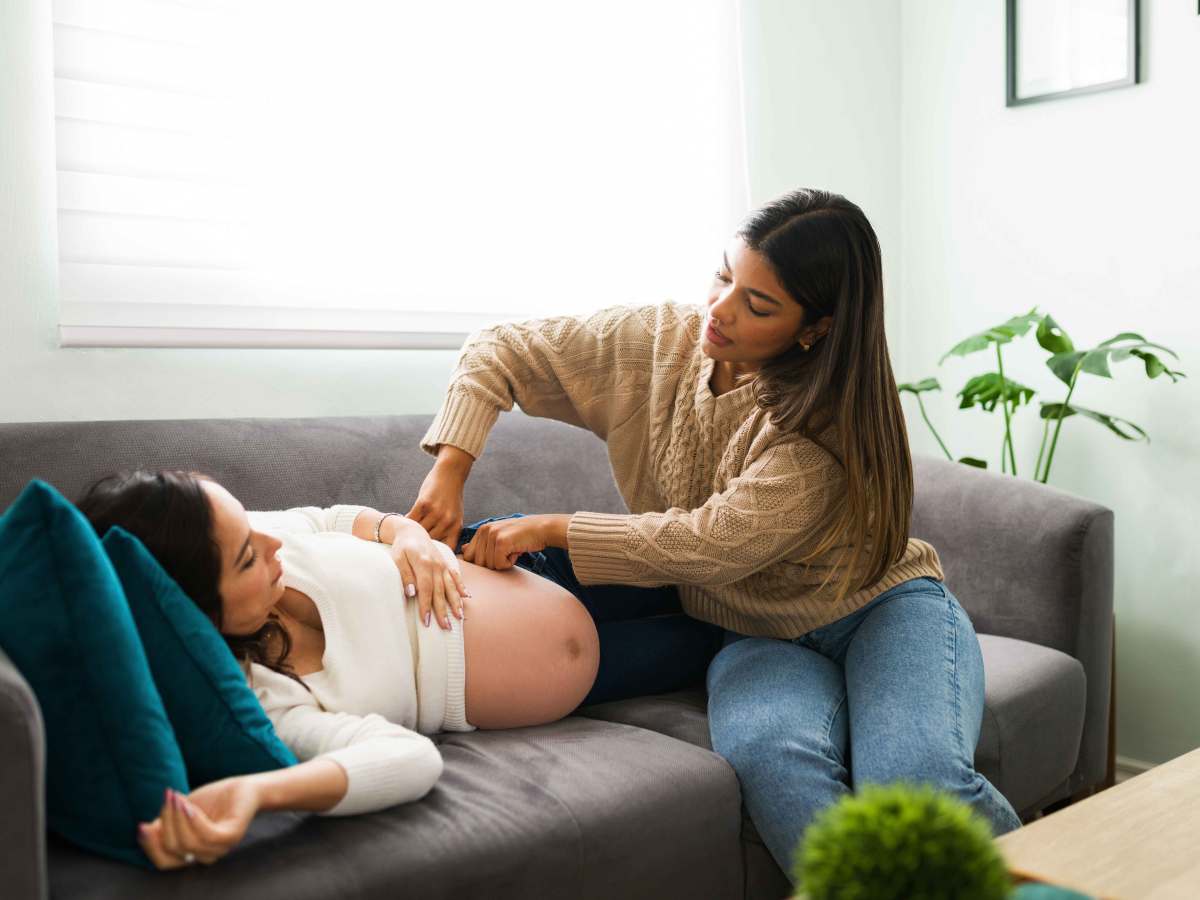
(531, 648)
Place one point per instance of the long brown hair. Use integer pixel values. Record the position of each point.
(169, 512)
(826, 255)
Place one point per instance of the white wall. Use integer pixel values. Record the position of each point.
(1086, 207)
(823, 110)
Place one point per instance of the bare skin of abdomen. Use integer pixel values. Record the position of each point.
(531, 648)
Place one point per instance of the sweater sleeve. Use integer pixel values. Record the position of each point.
(385, 763)
(768, 512)
(587, 371)
(307, 519)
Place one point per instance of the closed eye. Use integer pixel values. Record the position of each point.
(722, 277)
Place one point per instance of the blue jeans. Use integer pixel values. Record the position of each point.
(647, 644)
(893, 691)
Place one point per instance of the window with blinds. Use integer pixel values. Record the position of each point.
(386, 174)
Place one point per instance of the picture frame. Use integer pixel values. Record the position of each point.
(1062, 48)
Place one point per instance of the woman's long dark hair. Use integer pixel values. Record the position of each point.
(825, 254)
(169, 512)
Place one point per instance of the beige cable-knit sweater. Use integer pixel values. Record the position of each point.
(723, 503)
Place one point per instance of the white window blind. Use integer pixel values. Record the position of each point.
(386, 174)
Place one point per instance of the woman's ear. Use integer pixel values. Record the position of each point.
(810, 334)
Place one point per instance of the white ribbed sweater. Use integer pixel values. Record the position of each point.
(723, 504)
(386, 681)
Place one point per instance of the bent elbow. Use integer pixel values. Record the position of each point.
(427, 769)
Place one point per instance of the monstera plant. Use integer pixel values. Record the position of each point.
(991, 390)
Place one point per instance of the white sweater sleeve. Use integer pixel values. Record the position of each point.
(307, 519)
(385, 763)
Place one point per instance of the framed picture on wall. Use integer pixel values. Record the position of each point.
(1059, 48)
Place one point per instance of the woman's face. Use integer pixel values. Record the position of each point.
(750, 308)
(251, 576)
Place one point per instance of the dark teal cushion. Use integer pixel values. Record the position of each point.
(219, 723)
(110, 752)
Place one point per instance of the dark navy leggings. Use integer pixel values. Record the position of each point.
(648, 645)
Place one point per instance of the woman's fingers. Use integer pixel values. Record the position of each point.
(408, 577)
(489, 548)
(192, 839)
(444, 530)
(425, 589)
(441, 605)
(463, 592)
(179, 837)
(170, 829)
(150, 839)
(453, 595)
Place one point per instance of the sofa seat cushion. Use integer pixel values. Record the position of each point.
(1034, 705)
(575, 809)
(1032, 719)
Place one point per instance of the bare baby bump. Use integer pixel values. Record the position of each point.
(531, 648)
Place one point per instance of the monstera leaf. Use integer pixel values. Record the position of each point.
(1112, 423)
(1050, 336)
(991, 388)
(1096, 361)
(920, 387)
(1000, 334)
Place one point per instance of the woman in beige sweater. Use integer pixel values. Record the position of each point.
(758, 442)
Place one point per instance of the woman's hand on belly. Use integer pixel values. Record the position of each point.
(430, 573)
(496, 545)
(531, 650)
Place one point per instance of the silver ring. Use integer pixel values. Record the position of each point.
(189, 858)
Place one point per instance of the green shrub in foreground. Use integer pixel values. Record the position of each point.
(899, 841)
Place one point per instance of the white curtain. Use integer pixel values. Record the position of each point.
(387, 174)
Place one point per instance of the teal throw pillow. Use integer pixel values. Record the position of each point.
(110, 751)
(219, 724)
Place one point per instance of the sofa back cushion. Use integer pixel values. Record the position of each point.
(64, 623)
(219, 724)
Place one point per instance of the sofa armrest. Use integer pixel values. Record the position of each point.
(22, 780)
(1032, 562)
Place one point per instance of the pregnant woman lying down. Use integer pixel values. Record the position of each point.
(347, 666)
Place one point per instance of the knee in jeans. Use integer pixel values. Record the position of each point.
(732, 669)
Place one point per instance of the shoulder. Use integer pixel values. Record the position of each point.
(776, 452)
(653, 321)
(276, 691)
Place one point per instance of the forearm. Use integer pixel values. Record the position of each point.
(556, 526)
(370, 524)
(368, 519)
(316, 785)
(453, 462)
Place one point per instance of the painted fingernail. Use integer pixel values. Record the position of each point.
(427, 616)
(411, 590)
(187, 809)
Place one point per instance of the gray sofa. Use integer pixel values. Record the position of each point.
(619, 800)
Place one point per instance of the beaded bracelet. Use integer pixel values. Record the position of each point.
(379, 525)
